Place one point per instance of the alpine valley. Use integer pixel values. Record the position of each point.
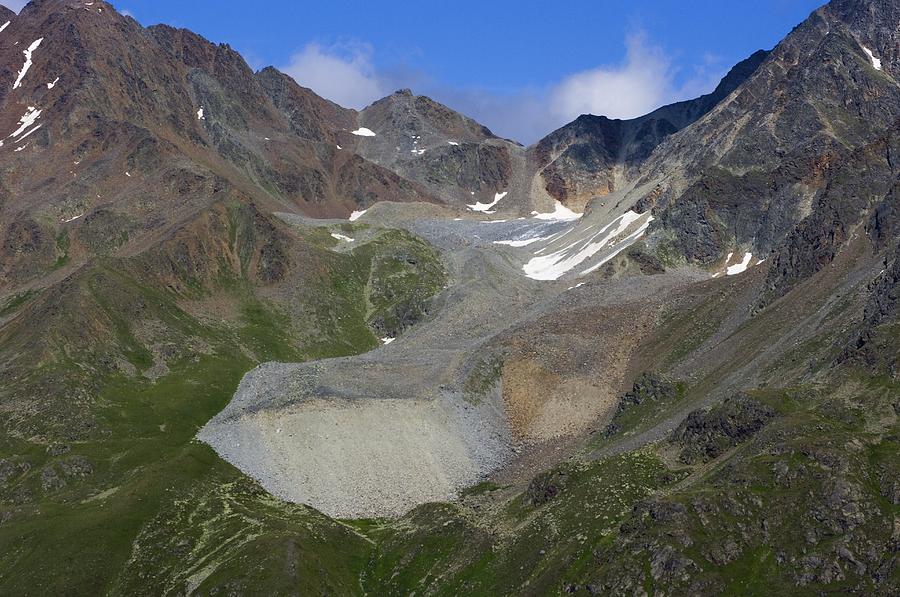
(255, 343)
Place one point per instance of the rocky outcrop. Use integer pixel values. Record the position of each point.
(872, 344)
(706, 434)
(649, 387)
(757, 164)
(452, 156)
(546, 487)
(861, 194)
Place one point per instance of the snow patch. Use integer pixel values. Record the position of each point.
(740, 267)
(34, 45)
(560, 212)
(357, 215)
(622, 245)
(417, 151)
(53, 84)
(4, 26)
(387, 340)
(876, 62)
(485, 207)
(28, 119)
(341, 237)
(200, 115)
(448, 142)
(363, 132)
(555, 265)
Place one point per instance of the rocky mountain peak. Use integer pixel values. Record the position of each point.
(420, 115)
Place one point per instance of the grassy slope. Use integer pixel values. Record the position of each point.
(803, 504)
(160, 514)
(132, 504)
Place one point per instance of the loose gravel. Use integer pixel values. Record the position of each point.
(379, 433)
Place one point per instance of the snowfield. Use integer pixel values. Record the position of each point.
(582, 247)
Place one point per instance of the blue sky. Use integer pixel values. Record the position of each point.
(521, 67)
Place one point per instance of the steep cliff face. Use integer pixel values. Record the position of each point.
(595, 156)
(754, 167)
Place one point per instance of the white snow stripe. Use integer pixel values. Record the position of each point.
(555, 265)
(28, 119)
(34, 45)
(622, 245)
(29, 132)
(4, 26)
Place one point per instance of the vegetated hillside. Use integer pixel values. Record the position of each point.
(109, 374)
(754, 449)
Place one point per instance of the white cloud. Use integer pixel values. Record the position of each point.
(15, 5)
(343, 74)
(644, 81)
(640, 85)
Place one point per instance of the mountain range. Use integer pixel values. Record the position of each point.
(253, 342)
